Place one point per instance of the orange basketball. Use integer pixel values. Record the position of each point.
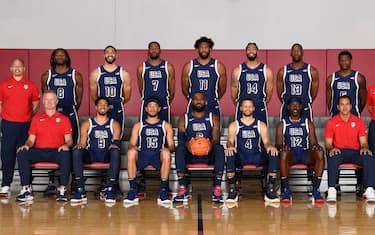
(200, 146)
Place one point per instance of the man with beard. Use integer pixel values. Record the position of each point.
(156, 77)
(113, 82)
(204, 74)
(68, 85)
(19, 101)
(244, 147)
(151, 143)
(297, 79)
(297, 143)
(252, 79)
(346, 82)
(100, 142)
(199, 123)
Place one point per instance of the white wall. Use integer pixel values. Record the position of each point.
(131, 24)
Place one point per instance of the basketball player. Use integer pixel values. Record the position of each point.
(112, 81)
(151, 143)
(252, 79)
(244, 147)
(204, 74)
(346, 82)
(100, 142)
(297, 143)
(156, 77)
(199, 123)
(297, 79)
(19, 101)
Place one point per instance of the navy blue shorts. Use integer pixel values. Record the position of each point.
(148, 158)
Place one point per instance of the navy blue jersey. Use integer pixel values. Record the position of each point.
(99, 137)
(297, 83)
(347, 85)
(204, 78)
(296, 134)
(198, 127)
(152, 136)
(252, 83)
(110, 84)
(248, 138)
(64, 84)
(155, 81)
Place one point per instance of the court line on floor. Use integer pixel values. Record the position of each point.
(200, 215)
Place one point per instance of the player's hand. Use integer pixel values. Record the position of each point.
(79, 146)
(273, 151)
(334, 151)
(113, 146)
(23, 147)
(284, 148)
(364, 151)
(230, 151)
(63, 147)
(316, 147)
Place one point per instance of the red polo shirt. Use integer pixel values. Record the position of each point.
(50, 130)
(370, 100)
(345, 134)
(17, 98)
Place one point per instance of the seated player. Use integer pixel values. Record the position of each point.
(297, 143)
(50, 139)
(99, 142)
(244, 147)
(151, 143)
(199, 123)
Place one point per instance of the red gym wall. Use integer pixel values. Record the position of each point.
(37, 61)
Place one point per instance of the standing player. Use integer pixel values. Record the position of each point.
(204, 74)
(199, 123)
(346, 82)
(156, 77)
(252, 79)
(68, 85)
(297, 79)
(100, 142)
(112, 81)
(151, 142)
(19, 100)
(244, 147)
(371, 108)
(297, 142)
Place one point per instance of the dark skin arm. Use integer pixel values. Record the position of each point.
(140, 79)
(280, 83)
(314, 83)
(43, 80)
(182, 129)
(185, 80)
(280, 137)
(79, 89)
(215, 129)
(171, 82)
(222, 79)
(329, 92)
(312, 138)
(362, 92)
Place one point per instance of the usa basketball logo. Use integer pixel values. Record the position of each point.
(352, 124)
(25, 87)
(58, 120)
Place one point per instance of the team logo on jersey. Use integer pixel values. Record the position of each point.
(11, 86)
(58, 120)
(25, 86)
(352, 124)
(212, 65)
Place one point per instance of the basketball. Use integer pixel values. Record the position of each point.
(200, 146)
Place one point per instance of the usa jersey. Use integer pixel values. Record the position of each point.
(155, 81)
(248, 140)
(99, 138)
(110, 84)
(347, 85)
(204, 78)
(64, 84)
(296, 134)
(252, 83)
(152, 136)
(198, 127)
(297, 83)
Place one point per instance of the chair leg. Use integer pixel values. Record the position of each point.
(359, 187)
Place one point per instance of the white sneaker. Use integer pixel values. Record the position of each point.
(331, 197)
(5, 191)
(370, 194)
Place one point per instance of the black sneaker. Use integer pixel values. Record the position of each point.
(79, 196)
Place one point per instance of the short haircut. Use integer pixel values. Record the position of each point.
(153, 42)
(252, 44)
(246, 99)
(154, 99)
(110, 46)
(344, 97)
(294, 99)
(343, 53)
(198, 92)
(53, 55)
(101, 98)
(298, 45)
(204, 39)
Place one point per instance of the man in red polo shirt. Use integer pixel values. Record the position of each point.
(19, 100)
(346, 141)
(370, 100)
(50, 139)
